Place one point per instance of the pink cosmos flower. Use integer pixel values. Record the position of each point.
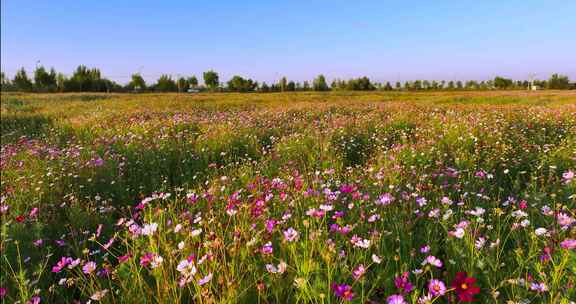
(432, 260)
(291, 235)
(437, 287)
(568, 244)
(358, 272)
(89, 267)
(568, 176)
(385, 199)
(267, 248)
(396, 299)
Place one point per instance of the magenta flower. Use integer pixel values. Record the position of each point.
(61, 264)
(568, 244)
(3, 292)
(568, 176)
(437, 287)
(343, 291)
(34, 300)
(403, 284)
(396, 299)
(267, 248)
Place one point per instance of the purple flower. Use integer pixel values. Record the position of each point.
(267, 248)
(396, 299)
(385, 199)
(61, 264)
(3, 292)
(343, 291)
(270, 225)
(34, 300)
(437, 287)
(538, 287)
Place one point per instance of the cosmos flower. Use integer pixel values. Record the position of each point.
(358, 272)
(267, 248)
(89, 267)
(436, 287)
(465, 287)
(432, 260)
(568, 176)
(396, 299)
(205, 279)
(385, 199)
(343, 291)
(291, 235)
(149, 229)
(538, 287)
(99, 295)
(568, 244)
(403, 283)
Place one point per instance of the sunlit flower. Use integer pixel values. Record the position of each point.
(343, 291)
(396, 299)
(436, 287)
(291, 235)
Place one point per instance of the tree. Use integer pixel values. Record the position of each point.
(291, 86)
(283, 83)
(239, 84)
(137, 82)
(165, 84)
(5, 84)
(60, 82)
(388, 86)
(319, 84)
(306, 86)
(502, 83)
(558, 82)
(193, 82)
(44, 81)
(21, 81)
(182, 84)
(211, 79)
(264, 88)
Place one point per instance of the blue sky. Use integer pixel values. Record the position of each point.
(385, 40)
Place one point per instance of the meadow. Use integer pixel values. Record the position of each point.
(307, 197)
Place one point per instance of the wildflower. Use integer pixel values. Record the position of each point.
(61, 264)
(124, 258)
(270, 225)
(186, 267)
(343, 291)
(376, 259)
(358, 272)
(281, 268)
(437, 287)
(99, 295)
(568, 244)
(424, 249)
(403, 284)
(38, 242)
(89, 267)
(149, 229)
(458, 233)
(267, 248)
(34, 300)
(540, 231)
(421, 201)
(427, 299)
(156, 261)
(480, 243)
(385, 199)
(291, 235)
(432, 260)
(73, 263)
(205, 279)
(538, 287)
(3, 292)
(568, 176)
(464, 287)
(196, 232)
(359, 242)
(396, 299)
(564, 220)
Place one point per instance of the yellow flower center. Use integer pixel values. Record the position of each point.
(464, 286)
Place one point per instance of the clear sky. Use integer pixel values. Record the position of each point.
(384, 40)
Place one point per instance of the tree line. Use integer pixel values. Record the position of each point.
(86, 79)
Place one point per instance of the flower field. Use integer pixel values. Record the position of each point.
(431, 197)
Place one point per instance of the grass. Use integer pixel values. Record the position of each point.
(288, 197)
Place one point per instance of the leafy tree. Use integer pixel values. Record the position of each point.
(388, 86)
(182, 84)
(291, 86)
(211, 79)
(21, 81)
(193, 81)
(137, 82)
(43, 80)
(503, 83)
(558, 82)
(60, 82)
(264, 88)
(319, 84)
(239, 84)
(165, 84)
(398, 85)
